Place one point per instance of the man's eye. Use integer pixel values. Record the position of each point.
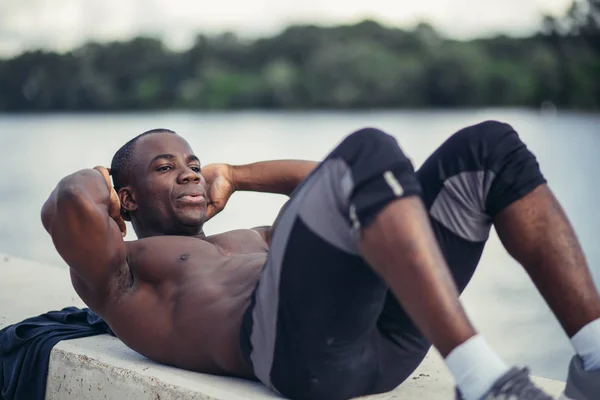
(195, 169)
(164, 168)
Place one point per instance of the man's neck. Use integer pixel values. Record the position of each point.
(142, 233)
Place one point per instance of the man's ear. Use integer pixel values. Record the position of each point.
(128, 203)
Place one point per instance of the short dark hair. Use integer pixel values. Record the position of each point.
(123, 158)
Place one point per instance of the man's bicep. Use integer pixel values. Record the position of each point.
(87, 239)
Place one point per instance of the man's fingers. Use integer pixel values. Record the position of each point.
(114, 212)
(101, 169)
(105, 174)
(114, 209)
(122, 226)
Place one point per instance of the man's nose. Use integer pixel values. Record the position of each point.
(189, 175)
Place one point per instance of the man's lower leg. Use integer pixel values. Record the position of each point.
(401, 247)
(537, 233)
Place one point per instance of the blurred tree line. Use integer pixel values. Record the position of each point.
(365, 65)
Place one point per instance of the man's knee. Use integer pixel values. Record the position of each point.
(492, 128)
(368, 139)
(496, 148)
(490, 146)
(371, 151)
(485, 139)
(366, 135)
(379, 172)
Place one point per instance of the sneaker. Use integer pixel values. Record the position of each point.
(581, 385)
(514, 385)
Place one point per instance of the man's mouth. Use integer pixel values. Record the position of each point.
(192, 198)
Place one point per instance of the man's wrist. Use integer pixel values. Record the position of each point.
(232, 175)
(243, 177)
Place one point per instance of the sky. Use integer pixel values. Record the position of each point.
(64, 24)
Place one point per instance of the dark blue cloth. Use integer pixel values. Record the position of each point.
(25, 349)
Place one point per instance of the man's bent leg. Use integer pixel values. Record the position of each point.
(530, 223)
(311, 332)
(534, 229)
(455, 180)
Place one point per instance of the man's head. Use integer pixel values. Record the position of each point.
(162, 192)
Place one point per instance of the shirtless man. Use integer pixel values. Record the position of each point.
(360, 273)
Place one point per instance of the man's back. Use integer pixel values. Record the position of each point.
(184, 298)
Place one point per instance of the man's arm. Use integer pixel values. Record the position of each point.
(279, 176)
(76, 215)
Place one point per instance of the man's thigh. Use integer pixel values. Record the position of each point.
(311, 328)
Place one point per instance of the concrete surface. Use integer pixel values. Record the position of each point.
(102, 367)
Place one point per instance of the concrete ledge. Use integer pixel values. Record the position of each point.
(102, 367)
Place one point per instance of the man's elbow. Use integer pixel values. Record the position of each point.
(49, 209)
(62, 200)
(47, 214)
(74, 194)
(71, 197)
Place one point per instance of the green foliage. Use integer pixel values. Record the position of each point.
(365, 65)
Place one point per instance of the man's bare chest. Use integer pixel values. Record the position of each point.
(168, 258)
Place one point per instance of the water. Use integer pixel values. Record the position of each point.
(38, 150)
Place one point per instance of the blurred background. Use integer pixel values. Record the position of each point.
(271, 79)
(97, 55)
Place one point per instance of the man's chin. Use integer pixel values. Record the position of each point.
(192, 221)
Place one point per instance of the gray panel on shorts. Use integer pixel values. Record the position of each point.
(460, 205)
(325, 207)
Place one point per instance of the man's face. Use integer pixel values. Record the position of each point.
(167, 187)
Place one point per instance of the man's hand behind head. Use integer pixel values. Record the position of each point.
(219, 187)
(115, 204)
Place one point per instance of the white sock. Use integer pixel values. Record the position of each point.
(475, 367)
(586, 343)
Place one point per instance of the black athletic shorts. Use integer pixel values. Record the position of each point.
(322, 325)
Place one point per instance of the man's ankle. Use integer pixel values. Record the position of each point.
(586, 343)
(475, 367)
